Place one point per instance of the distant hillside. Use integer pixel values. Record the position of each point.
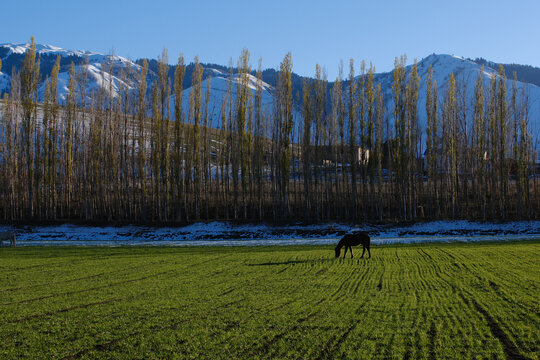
(268, 75)
(102, 76)
(524, 73)
(465, 71)
(12, 56)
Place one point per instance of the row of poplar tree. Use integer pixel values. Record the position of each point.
(138, 157)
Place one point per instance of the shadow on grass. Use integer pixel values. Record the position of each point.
(292, 262)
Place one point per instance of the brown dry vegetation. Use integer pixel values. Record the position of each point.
(136, 158)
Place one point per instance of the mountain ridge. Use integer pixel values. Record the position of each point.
(104, 71)
(525, 73)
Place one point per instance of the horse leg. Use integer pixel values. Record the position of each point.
(345, 252)
(369, 252)
(350, 247)
(363, 251)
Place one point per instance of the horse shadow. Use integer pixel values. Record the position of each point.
(291, 262)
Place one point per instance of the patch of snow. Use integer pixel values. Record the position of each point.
(5, 82)
(228, 234)
(217, 72)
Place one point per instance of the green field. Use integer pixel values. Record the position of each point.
(436, 301)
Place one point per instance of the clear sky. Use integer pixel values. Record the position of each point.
(323, 32)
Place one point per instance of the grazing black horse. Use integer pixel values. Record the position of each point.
(354, 239)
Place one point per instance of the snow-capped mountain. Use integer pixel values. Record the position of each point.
(465, 71)
(218, 91)
(103, 72)
(42, 50)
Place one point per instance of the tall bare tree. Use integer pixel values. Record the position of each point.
(285, 121)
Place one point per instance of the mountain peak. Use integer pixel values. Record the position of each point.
(42, 49)
(45, 49)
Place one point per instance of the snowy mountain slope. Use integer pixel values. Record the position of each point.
(104, 73)
(43, 49)
(4, 82)
(218, 92)
(463, 70)
(97, 79)
(40, 49)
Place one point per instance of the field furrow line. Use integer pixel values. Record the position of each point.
(425, 255)
(105, 346)
(343, 283)
(449, 254)
(90, 289)
(81, 278)
(49, 313)
(297, 285)
(360, 281)
(250, 316)
(485, 278)
(37, 266)
(109, 284)
(429, 274)
(264, 348)
(332, 345)
(270, 342)
(510, 349)
(432, 335)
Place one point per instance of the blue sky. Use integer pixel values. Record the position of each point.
(323, 32)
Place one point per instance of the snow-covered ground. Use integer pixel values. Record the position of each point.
(227, 234)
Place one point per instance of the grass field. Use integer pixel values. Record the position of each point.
(430, 301)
